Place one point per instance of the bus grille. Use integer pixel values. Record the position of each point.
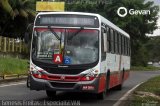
(62, 85)
(66, 78)
(63, 71)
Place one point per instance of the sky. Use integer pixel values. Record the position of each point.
(157, 31)
(157, 1)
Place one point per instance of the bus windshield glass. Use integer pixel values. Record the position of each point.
(75, 46)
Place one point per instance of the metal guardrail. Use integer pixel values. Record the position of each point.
(11, 45)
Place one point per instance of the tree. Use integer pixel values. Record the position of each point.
(153, 48)
(24, 8)
(18, 13)
(136, 25)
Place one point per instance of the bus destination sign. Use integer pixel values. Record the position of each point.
(67, 20)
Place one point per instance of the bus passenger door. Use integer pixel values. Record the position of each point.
(103, 50)
(102, 80)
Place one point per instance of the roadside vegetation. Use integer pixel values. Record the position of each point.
(147, 68)
(147, 94)
(10, 65)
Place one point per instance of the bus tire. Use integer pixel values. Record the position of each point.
(51, 94)
(108, 80)
(28, 82)
(102, 95)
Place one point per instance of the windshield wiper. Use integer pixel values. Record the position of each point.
(73, 35)
(54, 33)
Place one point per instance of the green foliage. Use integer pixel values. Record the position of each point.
(153, 48)
(139, 54)
(15, 16)
(136, 25)
(10, 65)
(147, 68)
(151, 86)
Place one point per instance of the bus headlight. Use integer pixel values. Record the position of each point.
(90, 76)
(38, 73)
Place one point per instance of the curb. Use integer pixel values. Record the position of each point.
(13, 80)
(11, 76)
(123, 101)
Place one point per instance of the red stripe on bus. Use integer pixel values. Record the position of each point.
(41, 29)
(116, 79)
(126, 75)
(102, 83)
(58, 78)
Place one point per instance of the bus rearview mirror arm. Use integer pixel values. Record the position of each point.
(26, 37)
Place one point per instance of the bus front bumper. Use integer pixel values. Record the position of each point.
(81, 86)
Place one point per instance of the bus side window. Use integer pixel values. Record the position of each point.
(115, 40)
(124, 43)
(112, 41)
(126, 46)
(122, 46)
(120, 50)
(129, 48)
(103, 48)
(108, 40)
(117, 43)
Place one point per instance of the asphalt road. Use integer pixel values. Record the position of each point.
(21, 93)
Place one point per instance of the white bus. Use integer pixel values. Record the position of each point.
(75, 51)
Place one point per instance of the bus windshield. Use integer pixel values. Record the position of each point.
(79, 46)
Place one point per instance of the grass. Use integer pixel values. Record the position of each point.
(147, 68)
(10, 65)
(151, 86)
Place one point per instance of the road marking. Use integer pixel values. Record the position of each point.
(1, 86)
(124, 97)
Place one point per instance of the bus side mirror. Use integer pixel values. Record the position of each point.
(26, 37)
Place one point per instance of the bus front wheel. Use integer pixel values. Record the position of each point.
(102, 95)
(28, 81)
(51, 93)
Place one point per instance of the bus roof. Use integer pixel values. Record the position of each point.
(110, 24)
(102, 19)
